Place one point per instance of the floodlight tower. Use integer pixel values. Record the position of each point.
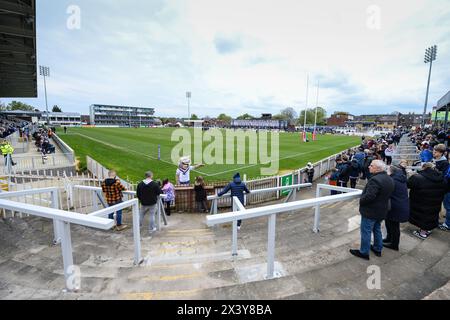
(430, 56)
(45, 72)
(188, 97)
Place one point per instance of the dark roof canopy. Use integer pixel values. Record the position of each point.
(18, 76)
(444, 102)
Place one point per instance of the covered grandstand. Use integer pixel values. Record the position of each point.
(18, 48)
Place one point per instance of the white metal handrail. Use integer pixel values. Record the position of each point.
(53, 191)
(240, 213)
(61, 220)
(97, 191)
(293, 188)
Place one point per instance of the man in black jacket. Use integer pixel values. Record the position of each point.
(148, 192)
(374, 207)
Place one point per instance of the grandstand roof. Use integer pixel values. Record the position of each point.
(444, 102)
(18, 77)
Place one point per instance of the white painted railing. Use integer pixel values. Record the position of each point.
(96, 194)
(62, 220)
(292, 194)
(240, 213)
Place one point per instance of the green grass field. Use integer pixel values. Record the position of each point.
(131, 152)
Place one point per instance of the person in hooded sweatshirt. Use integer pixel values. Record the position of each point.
(237, 188)
(399, 212)
(112, 189)
(355, 171)
(148, 192)
(428, 189)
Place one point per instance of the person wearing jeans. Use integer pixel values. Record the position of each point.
(374, 206)
(446, 225)
(118, 214)
(148, 192)
(369, 226)
(112, 189)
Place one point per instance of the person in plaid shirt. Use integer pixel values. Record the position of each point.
(112, 189)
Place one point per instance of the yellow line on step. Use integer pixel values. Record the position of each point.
(188, 231)
(172, 278)
(159, 295)
(169, 250)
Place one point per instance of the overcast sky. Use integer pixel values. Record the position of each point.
(240, 56)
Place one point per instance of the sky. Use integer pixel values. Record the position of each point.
(242, 56)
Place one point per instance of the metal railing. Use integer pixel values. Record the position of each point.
(62, 221)
(240, 213)
(67, 151)
(98, 200)
(292, 194)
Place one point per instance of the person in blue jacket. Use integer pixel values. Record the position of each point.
(426, 155)
(237, 188)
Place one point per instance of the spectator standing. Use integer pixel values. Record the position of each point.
(374, 207)
(367, 162)
(169, 191)
(333, 180)
(200, 195)
(237, 188)
(388, 153)
(148, 192)
(112, 189)
(427, 193)
(355, 171)
(344, 171)
(310, 172)
(7, 150)
(359, 156)
(399, 212)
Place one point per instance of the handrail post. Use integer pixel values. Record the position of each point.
(67, 253)
(95, 200)
(56, 227)
(271, 246)
(136, 235)
(235, 229)
(158, 211)
(316, 228)
(235, 239)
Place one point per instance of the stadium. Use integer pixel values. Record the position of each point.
(131, 200)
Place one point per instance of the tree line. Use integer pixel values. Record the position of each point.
(20, 106)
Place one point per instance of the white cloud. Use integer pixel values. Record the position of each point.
(150, 53)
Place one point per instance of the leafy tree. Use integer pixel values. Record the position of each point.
(56, 109)
(194, 117)
(245, 117)
(289, 114)
(223, 117)
(2, 106)
(310, 116)
(16, 105)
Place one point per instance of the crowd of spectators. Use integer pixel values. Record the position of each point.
(42, 141)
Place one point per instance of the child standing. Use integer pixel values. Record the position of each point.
(200, 195)
(169, 191)
(333, 180)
